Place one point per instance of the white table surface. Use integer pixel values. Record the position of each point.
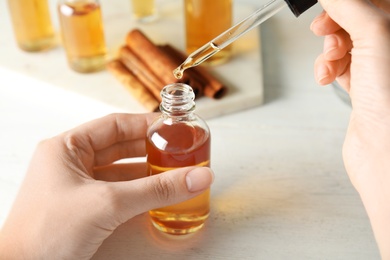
(281, 190)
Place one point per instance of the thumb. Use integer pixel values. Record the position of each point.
(352, 15)
(131, 198)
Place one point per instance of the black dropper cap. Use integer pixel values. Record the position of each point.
(300, 6)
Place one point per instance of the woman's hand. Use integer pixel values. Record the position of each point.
(357, 55)
(74, 196)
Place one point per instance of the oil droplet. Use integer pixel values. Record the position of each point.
(178, 72)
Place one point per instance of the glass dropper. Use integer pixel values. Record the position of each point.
(238, 30)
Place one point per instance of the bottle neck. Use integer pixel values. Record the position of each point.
(177, 100)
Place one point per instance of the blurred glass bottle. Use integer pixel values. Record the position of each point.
(204, 20)
(144, 10)
(83, 34)
(32, 24)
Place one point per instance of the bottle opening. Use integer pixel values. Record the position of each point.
(177, 99)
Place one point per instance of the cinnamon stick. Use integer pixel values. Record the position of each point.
(212, 87)
(141, 71)
(133, 85)
(158, 61)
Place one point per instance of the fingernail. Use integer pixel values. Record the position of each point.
(315, 21)
(322, 73)
(199, 179)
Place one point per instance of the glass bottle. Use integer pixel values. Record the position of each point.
(32, 24)
(83, 34)
(204, 20)
(144, 10)
(179, 138)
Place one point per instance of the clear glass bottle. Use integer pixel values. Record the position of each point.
(32, 24)
(83, 34)
(179, 138)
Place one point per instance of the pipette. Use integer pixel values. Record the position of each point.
(238, 30)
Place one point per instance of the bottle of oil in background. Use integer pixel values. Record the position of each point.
(32, 24)
(179, 138)
(205, 20)
(82, 34)
(144, 10)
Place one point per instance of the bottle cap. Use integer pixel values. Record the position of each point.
(300, 6)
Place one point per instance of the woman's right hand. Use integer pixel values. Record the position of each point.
(357, 55)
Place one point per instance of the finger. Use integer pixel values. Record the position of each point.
(326, 71)
(106, 131)
(82, 142)
(121, 150)
(337, 45)
(128, 199)
(361, 14)
(323, 25)
(121, 172)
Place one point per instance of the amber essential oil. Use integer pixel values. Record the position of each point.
(32, 24)
(83, 34)
(179, 139)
